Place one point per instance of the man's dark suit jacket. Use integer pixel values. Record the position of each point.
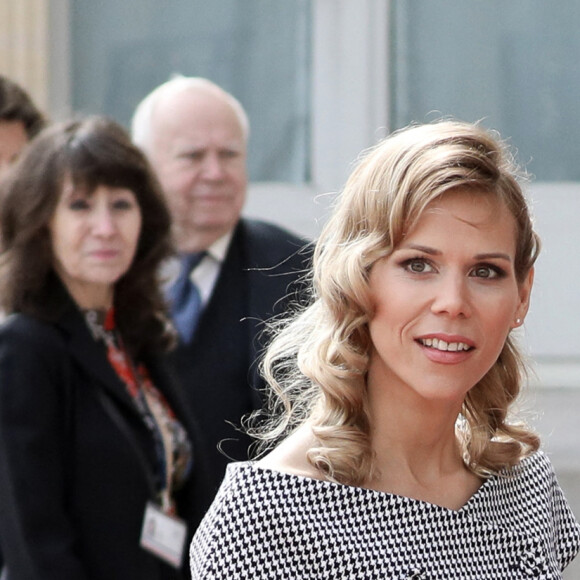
(218, 369)
(77, 464)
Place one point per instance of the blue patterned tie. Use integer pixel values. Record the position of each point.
(185, 300)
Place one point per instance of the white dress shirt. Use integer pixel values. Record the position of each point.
(206, 273)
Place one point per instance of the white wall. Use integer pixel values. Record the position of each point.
(554, 317)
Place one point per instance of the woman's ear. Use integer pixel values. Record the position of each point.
(525, 291)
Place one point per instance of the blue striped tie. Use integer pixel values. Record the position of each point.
(185, 300)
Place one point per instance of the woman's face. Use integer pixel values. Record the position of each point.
(446, 299)
(94, 238)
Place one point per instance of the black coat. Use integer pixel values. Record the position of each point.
(262, 272)
(76, 460)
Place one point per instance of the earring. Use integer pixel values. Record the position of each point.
(518, 321)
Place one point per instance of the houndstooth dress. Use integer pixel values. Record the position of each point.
(269, 525)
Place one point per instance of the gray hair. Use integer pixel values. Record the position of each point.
(143, 116)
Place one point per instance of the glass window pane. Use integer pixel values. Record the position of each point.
(259, 50)
(514, 65)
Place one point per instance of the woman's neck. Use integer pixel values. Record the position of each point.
(417, 452)
(90, 296)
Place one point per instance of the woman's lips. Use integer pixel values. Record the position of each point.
(446, 349)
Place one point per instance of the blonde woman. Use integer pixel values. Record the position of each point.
(398, 457)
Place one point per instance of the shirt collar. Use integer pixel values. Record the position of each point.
(219, 248)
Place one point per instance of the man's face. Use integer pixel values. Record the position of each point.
(13, 139)
(198, 150)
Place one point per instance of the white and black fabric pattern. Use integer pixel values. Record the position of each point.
(265, 524)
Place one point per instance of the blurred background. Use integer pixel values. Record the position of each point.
(324, 79)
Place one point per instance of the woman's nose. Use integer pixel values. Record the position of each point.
(452, 296)
(104, 222)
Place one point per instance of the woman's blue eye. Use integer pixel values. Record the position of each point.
(417, 265)
(487, 272)
(484, 273)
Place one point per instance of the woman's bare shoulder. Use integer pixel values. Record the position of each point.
(290, 456)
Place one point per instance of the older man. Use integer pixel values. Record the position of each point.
(234, 273)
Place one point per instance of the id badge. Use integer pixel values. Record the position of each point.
(163, 535)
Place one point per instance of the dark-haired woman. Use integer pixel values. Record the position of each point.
(99, 475)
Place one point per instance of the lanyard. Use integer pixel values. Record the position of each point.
(153, 413)
(148, 402)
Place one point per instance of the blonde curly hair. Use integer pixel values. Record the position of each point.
(317, 361)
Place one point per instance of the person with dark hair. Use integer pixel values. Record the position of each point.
(399, 455)
(100, 471)
(20, 121)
